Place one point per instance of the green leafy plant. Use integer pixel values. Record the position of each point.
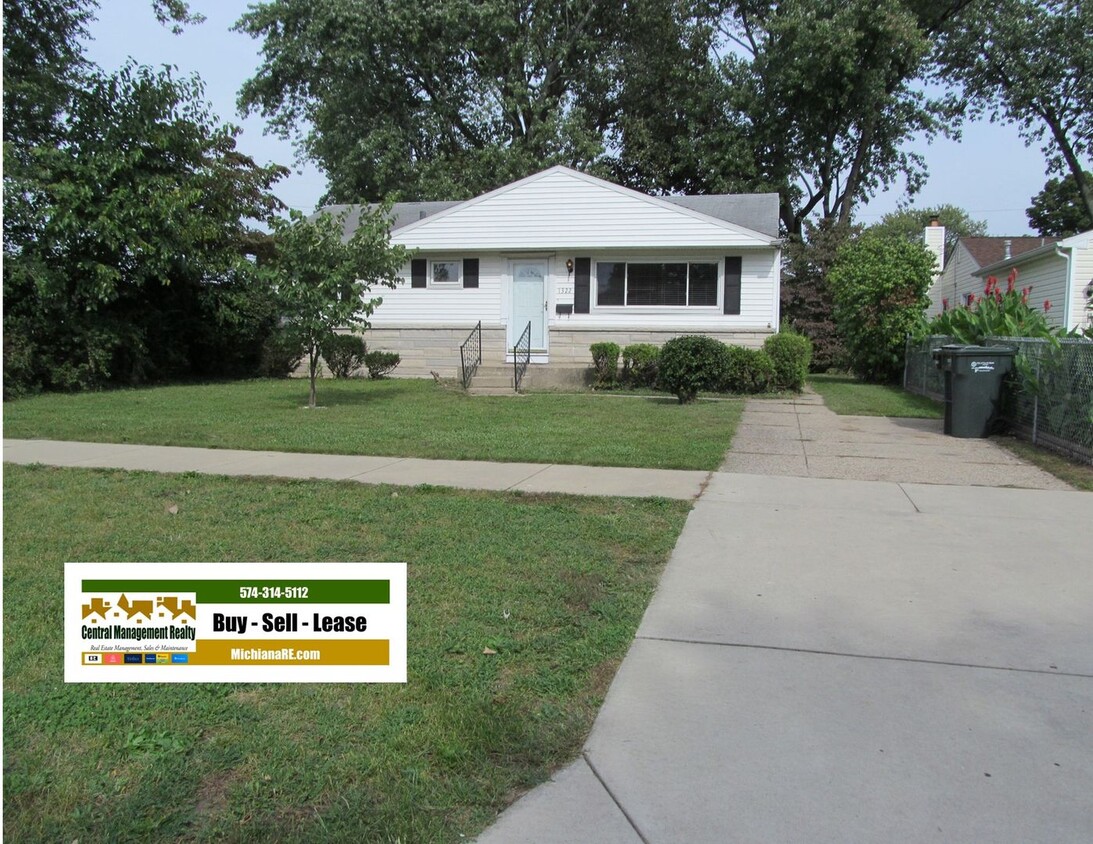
(605, 359)
(344, 354)
(747, 371)
(282, 352)
(995, 313)
(381, 364)
(880, 286)
(790, 354)
(692, 363)
(639, 364)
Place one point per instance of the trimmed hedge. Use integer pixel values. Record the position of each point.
(344, 354)
(640, 362)
(692, 363)
(605, 358)
(791, 354)
(379, 364)
(747, 371)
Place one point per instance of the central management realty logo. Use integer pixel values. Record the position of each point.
(137, 621)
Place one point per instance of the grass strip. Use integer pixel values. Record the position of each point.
(556, 585)
(847, 396)
(1078, 475)
(397, 418)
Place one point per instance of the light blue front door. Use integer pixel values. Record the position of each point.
(529, 302)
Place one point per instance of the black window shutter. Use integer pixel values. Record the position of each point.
(417, 272)
(470, 272)
(582, 289)
(732, 284)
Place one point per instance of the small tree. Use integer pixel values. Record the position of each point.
(880, 289)
(322, 280)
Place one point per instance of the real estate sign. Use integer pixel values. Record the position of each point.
(235, 622)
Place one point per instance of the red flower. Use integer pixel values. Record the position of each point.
(944, 304)
(992, 282)
(1047, 305)
(1010, 281)
(998, 296)
(1013, 275)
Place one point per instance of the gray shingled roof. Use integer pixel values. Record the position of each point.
(755, 211)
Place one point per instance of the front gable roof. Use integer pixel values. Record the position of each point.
(563, 208)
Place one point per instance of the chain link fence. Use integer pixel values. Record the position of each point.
(1047, 400)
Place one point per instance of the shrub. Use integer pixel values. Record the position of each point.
(605, 359)
(747, 371)
(344, 354)
(879, 286)
(281, 353)
(692, 363)
(807, 303)
(639, 364)
(380, 364)
(790, 353)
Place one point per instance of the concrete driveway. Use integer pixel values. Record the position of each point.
(838, 660)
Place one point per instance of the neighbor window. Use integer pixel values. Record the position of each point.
(656, 284)
(446, 272)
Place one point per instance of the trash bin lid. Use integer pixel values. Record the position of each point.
(979, 351)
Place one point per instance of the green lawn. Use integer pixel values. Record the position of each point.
(430, 760)
(403, 418)
(848, 396)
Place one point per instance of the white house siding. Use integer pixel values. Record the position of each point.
(1047, 276)
(1081, 281)
(955, 282)
(427, 325)
(561, 209)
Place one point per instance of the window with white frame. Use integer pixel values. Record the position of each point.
(656, 284)
(445, 273)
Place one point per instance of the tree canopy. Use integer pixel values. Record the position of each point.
(909, 223)
(448, 98)
(1058, 210)
(1029, 62)
(125, 217)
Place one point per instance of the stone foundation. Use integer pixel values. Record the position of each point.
(428, 349)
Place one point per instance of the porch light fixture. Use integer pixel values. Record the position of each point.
(569, 265)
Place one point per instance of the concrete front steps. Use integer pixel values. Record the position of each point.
(493, 381)
(496, 379)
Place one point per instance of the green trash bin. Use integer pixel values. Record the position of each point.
(973, 386)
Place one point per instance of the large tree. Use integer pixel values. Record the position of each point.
(909, 223)
(125, 207)
(1030, 62)
(439, 99)
(1059, 210)
(824, 93)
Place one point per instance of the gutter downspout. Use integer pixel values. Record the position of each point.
(1068, 256)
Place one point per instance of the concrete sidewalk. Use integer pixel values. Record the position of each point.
(848, 661)
(462, 474)
(800, 437)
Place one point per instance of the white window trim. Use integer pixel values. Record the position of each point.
(656, 259)
(444, 285)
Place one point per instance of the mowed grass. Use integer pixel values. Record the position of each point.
(400, 418)
(432, 760)
(847, 396)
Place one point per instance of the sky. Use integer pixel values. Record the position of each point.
(989, 172)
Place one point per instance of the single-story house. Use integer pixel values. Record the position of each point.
(958, 266)
(1059, 273)
(579, 260)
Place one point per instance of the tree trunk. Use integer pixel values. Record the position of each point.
(1067, 151)
(313, 366)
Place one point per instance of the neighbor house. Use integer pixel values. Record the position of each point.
(1060, 276)
(574, 260)
(962, 269)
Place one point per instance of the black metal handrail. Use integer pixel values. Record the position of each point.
(470, 354)
(521, 357)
